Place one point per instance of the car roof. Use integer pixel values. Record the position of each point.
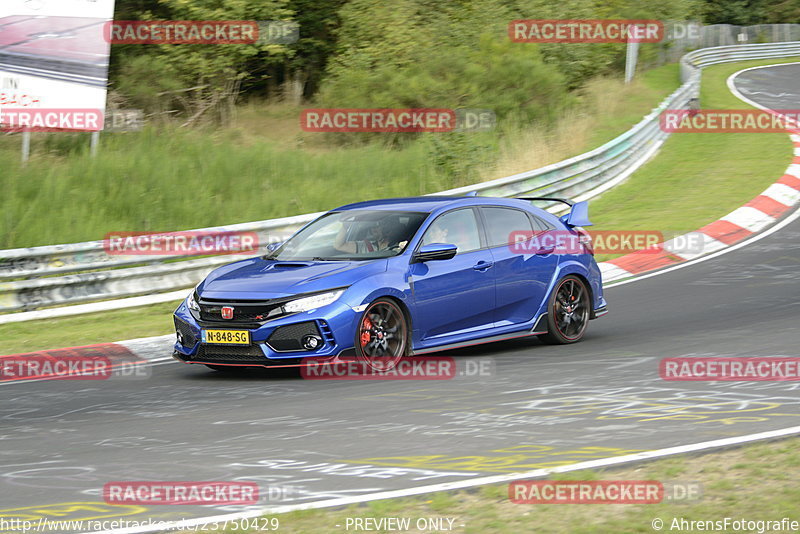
(433, 203)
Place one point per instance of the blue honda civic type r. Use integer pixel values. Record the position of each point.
(394, 278)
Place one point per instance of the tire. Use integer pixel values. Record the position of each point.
(382, 335)
(568, 312)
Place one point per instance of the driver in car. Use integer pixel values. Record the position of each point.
(382, 236)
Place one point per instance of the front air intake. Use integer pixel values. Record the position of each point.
(290, 337)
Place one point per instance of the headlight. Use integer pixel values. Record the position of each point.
(191, 303)
(312, 302)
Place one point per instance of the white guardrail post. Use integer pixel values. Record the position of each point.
(42, 277)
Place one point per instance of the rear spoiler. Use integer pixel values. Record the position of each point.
(578, 214)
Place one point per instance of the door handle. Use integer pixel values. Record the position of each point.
(545, 251)
(482, 265)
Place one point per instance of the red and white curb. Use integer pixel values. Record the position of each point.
(760, 213)
(132, 353)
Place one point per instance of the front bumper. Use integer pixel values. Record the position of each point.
(276, 343)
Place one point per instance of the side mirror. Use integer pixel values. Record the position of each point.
(435, 251)
(272, 247)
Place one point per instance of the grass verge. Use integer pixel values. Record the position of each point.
(755, 482)
(80, 330)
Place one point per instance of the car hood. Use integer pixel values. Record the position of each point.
(257, 278)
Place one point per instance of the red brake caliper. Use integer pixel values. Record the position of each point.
(365, 335)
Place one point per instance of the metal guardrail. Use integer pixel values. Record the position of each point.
(688, 36)
(692, 62)
(81, 272)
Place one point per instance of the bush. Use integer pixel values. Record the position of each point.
(410, 57)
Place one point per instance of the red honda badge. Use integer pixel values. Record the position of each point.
(227, 312)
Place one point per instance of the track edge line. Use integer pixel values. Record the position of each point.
(704, 446)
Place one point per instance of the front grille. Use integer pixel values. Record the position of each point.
(289, 337)
(238, 355)
(232, 353)
(244, 312)
(189, 339)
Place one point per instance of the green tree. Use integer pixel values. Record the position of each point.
(750, 12)
(415, 53)
(208, 77)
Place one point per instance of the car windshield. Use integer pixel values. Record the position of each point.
(352, 235)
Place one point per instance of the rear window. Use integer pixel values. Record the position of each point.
(503, 223)
(540, 225)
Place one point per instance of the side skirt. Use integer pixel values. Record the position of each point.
(539, 328)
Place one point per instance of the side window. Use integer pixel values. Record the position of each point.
(504, 224)
(458, 227)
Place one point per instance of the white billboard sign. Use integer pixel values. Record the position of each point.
(53, 63)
